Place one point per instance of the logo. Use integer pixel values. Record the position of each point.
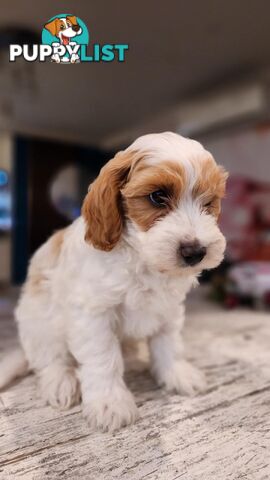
(65, 39)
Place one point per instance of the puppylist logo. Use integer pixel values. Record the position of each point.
(65, 39)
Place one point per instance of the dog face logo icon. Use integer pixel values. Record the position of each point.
(67, 32)
(64, 28)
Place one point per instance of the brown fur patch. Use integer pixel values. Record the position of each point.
(102, 208)
(210, 185)
(167, 176)
(37, 279)
(57, 241)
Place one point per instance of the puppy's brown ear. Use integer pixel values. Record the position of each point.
(222, 180)
(72, 19)
(52, 26)
(102, 208)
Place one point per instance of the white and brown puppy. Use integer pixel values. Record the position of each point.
(65, 29)
(122, 270)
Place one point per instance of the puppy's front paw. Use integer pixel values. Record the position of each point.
(112, 411)
(60, 387)
(182, 378)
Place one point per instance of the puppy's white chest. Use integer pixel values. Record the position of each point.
(148, 305)
(141, 321)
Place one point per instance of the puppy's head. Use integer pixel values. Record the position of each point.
(64, 28)
(163, 194)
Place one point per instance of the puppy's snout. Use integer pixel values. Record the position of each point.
(76, 28)
(192, 253)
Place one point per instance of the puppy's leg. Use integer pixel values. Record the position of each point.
(46, 352)
(41, 324)
(107, 403)
(169, 366)
(59, 385)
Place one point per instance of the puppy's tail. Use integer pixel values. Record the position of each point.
(12, 366)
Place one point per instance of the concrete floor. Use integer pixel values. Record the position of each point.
(222, 434)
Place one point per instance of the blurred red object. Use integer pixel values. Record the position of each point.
(231, 301)
(245, 219)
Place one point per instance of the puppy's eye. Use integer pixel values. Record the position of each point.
(209, 206)
(159, 198)
(62, 27)
(68, 24)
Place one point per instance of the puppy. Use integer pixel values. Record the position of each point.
(65, 29)
(122, 270)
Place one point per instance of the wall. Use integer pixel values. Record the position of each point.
(244, 152)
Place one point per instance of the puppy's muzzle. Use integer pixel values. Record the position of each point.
(192, 253)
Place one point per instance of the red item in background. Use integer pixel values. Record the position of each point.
(245, 219)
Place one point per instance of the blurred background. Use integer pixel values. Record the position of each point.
(201, 69)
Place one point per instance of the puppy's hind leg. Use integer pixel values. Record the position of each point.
(48, 357)
(42, 330)
(43, 342)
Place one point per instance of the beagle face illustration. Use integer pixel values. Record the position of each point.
(64, 28)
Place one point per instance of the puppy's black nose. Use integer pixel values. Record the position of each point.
(192, 253)
(76, 28)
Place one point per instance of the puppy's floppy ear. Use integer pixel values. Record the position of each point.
(52, 26)
(102, 208)
(73, 19)
(220, 185)
(222, 179)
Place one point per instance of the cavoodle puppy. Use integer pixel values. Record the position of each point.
(122, 270)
